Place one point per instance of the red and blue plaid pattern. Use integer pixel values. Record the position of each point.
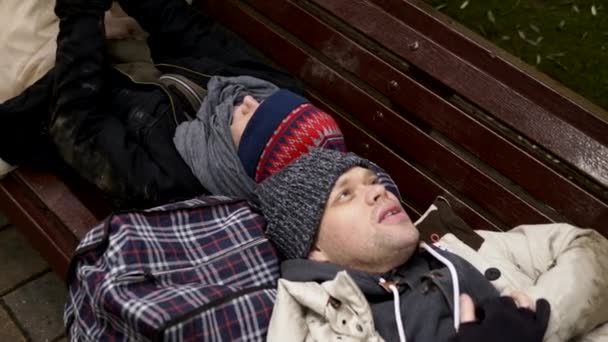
(195, 270)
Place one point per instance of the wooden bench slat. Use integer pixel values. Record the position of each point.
(573, 201)
(535, 122)
(59, 199)
(583, 116)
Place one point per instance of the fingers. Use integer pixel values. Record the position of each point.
(467, 309)
(522, 300)
(116, 28)
(122, 27)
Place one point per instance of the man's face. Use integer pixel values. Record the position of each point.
(241, 115)
(364, 226)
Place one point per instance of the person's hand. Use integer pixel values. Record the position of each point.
(501, 320)
(118, 28)
(522, 300)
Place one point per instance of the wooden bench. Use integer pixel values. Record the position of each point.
(442, 110)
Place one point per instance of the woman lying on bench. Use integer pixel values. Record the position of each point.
(160, 133)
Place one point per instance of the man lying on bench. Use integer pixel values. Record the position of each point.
(154, 135)
(328, 212)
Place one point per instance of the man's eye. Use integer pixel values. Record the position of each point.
(344, 194)
(376, 180)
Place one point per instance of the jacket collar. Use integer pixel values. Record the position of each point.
(410, 273)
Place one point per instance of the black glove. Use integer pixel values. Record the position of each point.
(64, 8)
(500, 320)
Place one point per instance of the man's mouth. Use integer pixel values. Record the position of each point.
(391, 213)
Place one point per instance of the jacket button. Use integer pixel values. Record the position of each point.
(492, 273)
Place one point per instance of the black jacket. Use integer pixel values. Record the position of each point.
(115, 132)
(425, 292)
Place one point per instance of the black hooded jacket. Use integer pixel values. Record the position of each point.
(115, 132)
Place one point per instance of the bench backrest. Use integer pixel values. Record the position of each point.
(443, 113)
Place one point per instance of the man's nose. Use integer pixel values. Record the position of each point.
(375, 192)
(250, 101)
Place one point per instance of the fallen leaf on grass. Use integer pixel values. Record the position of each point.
(440, 6)
(534, 28)
(521, 34)
(491, 17)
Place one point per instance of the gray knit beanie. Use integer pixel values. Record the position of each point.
(293, 199)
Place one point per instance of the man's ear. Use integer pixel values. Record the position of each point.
(316, 254)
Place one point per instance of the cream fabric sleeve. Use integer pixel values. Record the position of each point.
(28, 33)
(567, 265)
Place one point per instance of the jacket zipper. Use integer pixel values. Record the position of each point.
(219, 301)
(106, 229)
(151, 275)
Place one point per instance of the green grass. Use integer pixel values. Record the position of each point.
(565, 39)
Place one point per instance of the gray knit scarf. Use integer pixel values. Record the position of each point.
(205, 143)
